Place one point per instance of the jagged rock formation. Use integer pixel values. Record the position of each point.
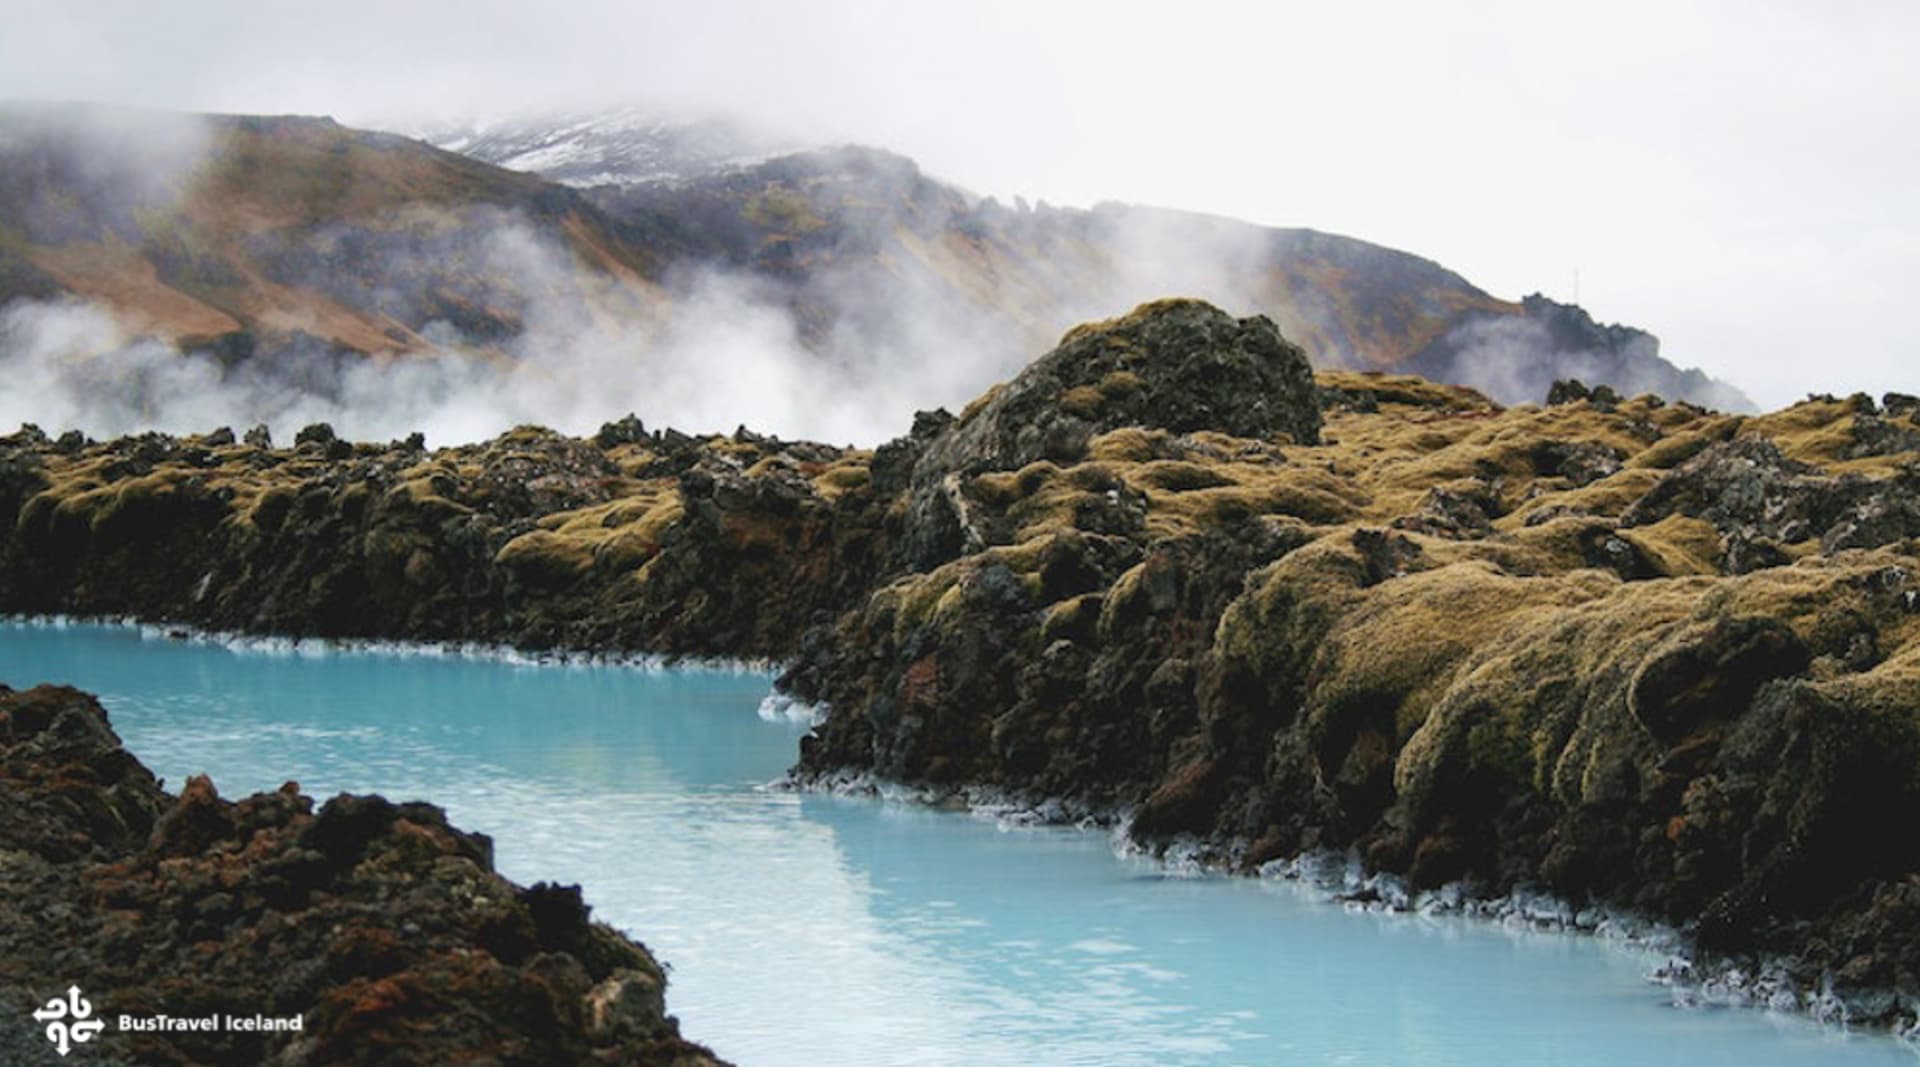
(381, 925)
(1177, 365)
(656, 541)
(1633, 651)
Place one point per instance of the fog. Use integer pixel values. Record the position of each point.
(703, 349)
(846, 353)
(1733, 177)
(718, 349)
(722, 358)
(843, 352)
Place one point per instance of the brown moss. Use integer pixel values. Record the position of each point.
(1891, 687)
(1177, 476)
(1073, 619)
(1129, 444)
(1554, 688)
(1608, 497)
(1083, 400)
(1402, 643)
(843, 476)
(544, 557)
(1406, 390)
(982, 401)
(1823, 432)
(1119, 384)
(1677, 448)
(1680, 545)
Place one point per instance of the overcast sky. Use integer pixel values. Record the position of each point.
(1739, 178)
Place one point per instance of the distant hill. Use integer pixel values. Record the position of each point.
(285, 245)
(245, 235)
(859, 241)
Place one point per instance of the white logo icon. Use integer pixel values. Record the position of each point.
(67, 1021)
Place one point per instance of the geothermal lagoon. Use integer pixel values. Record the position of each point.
(808, 929)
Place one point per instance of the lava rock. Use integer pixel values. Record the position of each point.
(372, 921)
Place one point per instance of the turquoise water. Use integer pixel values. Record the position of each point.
(824, 930)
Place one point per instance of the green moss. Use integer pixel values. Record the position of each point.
(127, 501)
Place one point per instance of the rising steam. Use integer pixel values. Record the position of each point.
(937, 296)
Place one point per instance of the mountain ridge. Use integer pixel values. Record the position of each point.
(621, 146)
(281, 252)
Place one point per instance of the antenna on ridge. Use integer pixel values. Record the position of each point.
(1576, 287)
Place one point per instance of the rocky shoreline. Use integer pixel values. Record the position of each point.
(355, 931)
(479, 651)
(1640, 655)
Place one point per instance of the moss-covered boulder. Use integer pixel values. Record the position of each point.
(1637, 651)
(1175, 365)
(381, 925)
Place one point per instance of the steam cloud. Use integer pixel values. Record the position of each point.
(719, 349)
(847, 357)
(721, 359)
(722, 350)
(845, 352)
(1519, 357)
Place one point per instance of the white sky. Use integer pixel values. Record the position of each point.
(1739, 178)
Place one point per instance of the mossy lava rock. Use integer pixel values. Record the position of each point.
(1175, 365)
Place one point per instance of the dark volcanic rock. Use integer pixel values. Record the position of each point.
(381, 925)
(1478, 685)
(1637, 652)
(531, 539)
(1761, 501)
(1175, 365)
(1567, 391)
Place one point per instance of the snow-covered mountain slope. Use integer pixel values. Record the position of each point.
(619, 147)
